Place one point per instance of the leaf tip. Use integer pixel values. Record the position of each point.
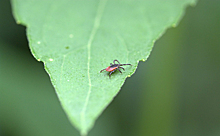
(83, 133)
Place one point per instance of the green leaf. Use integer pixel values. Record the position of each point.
(77, 39)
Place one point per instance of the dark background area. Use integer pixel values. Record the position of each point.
(176, 92)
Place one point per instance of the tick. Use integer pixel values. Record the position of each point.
(113, 67)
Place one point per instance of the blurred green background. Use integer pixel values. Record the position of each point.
(176, 92)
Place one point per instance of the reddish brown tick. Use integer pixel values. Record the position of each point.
(113, 67)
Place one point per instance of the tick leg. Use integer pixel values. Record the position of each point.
(111, 64)
(119, 70)
(121, 67)
(111, 73)
(124, 64)
(117, 61)
(101, 70)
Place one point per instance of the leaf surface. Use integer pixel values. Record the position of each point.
(77, 39)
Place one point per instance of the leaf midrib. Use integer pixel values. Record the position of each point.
(96, 25)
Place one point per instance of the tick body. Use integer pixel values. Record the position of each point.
(113, 67)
